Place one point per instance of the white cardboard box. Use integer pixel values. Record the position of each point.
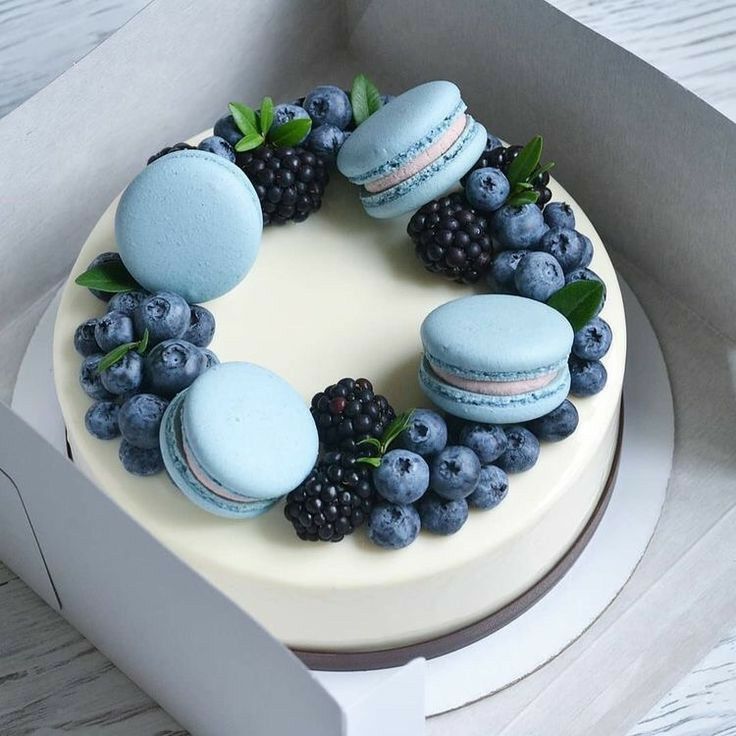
(650, 164)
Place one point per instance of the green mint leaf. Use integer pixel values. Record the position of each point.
(373, 96)
(579, 302)
(249, 141)
(359, 99)
(372, 441)
(265, 117)
(115, 355)
(522, 186)
(111, 277)
(542, 169)
(395, 429)
(524, 164)
(291, 133)
(523, 197)
(143, 342)
(245, 118)
(373, 461)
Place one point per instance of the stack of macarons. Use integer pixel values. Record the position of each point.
(189, 223)
(496, 359)
(412, 150)
(238, 439)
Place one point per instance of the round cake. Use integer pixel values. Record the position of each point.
(342, 294)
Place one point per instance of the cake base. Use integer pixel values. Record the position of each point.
(433, 648)
(540, 633)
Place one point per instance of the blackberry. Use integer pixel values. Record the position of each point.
(350, 411)
(452, 239)
(334, 500)
(500, 157)
(289, 182)
(170, 149)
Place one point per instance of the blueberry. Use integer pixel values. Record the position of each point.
(113, 329)
(172, 366)
(518, 227)
(426, 434)
(565, 245)
(101, 259)
(492, 488)
(393, 526)
(559, 424)
(90, 380)
(285, 114)
(593, 341)
(126, 301)
(329, 104)
(402, 477)
(585, 274)
(140, 420)
(522, 451)
(124, 376)
(101, 420)
(487, 189)
(504, 267)
(442, 516)
(226, 128)
(492, 142)
(587, 377)
(139, 461)
(164, 315)
(210, 357)
(219, 146)
(455, 472)
(487, 441)
(326, 140)
(587, 251)
(84, 338)
(538, 276)
(559, 214)
(201, 328)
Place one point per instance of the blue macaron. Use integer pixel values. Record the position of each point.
(238, 439)
(190, 223)
(495, 358)
(411, 151)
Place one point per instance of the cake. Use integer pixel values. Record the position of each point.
(342, 294)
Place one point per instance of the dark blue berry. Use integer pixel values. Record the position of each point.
(326, 140)
(393, 526)
(454, 472)
(593, 341)
(329, 104)
(564, 245)
(487, 441)
(126, 301)
(226, 128)
(101, 420)
(165, 315)
(559, 214)
(103, 258)
(113, 329)
(587, 377)
(538, 276)
(84, 338)
(201, 328)
(559, 424)
(426, 434)
(139, 461)
(219, 146)
(492, 488)
(125, 375)
(442, 516)
(172, 366)
(90, 380)
(402, 477)
(140, 420)
(522, 451)
(503, 269)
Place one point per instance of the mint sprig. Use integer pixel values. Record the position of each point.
(111, 277)
(119, 352)
(523, 170)
(257, 127)
(364, 98)
(579, 302)
(394, 429)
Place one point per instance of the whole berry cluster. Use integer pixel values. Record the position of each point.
(137, 356)
(502, 228)
(420, 473)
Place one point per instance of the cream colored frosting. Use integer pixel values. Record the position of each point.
(496, 388)
(423, 159)
(343, 295)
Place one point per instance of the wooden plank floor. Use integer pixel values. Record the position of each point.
(52, 681)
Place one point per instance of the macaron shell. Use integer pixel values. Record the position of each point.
(190, 223)
(433, 180)
(172, 451)
(493, 409)
(496, 337)
(249, 430)
(396, 128)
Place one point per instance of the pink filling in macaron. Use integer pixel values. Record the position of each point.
(210, 484)
(497, 388)
(423, 159)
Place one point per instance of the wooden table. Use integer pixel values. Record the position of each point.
(52, 680)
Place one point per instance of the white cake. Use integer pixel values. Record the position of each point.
(343, 295)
